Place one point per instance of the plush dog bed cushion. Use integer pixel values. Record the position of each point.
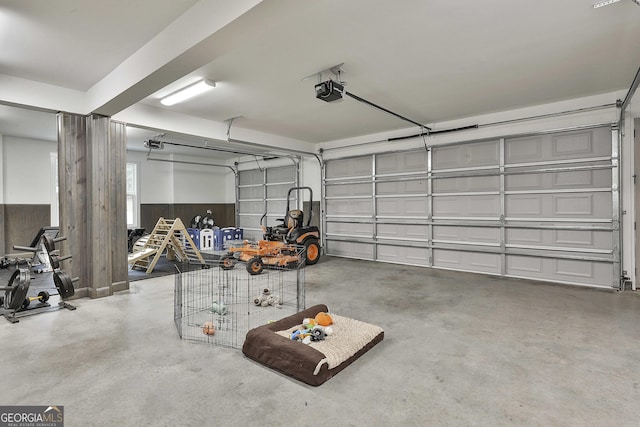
(316, 363)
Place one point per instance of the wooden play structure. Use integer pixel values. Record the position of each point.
(170, 235)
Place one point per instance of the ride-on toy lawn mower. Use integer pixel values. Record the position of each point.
(284, 245)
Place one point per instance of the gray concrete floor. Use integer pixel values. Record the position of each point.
(459, 349)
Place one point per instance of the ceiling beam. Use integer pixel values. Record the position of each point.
(193, 40)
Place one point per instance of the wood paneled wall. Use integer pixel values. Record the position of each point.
(22, 223)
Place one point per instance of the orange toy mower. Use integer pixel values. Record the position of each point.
(285, 245)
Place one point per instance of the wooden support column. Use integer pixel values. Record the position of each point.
(92, 198)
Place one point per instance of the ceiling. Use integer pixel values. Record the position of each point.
(430, 61)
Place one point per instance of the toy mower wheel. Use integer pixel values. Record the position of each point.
(227, 262)
(311, 252)
(255, 265)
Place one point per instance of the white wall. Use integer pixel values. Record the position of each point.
(199, 184)
(167, 182)
(26, 170)
(311, 175)
(155, 178)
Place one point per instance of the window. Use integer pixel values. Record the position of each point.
(54, 190)
(132, 195)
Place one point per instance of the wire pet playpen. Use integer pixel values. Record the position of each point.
(218, 306)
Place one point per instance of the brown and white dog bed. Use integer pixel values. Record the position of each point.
(312, 363)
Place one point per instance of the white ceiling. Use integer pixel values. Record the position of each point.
(431, 61)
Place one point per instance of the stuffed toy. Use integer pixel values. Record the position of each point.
(323, 319)
(266, 299)
(311, 330)
(208, 328)
(218, 308)
(308, 323)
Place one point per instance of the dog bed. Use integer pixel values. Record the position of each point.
(315, 363)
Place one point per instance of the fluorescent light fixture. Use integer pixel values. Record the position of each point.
(187, 92)
(604, 3)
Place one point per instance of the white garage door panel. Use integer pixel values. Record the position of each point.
(357, 207)
(396, 206)
(479, 183)
(393, 163)
(251, 227)
(249, 221)
(461, 234)
(401, 187)
(467, 261)
(277, 208)
(560, 180)
(564, 146)
(350, 249)
(349, 190)
(468, 206)
(403, 231)
(403, 255)
(358, 166)
(350, 229)
(251, 193)
(250, 177)
(281, 174)
(577, 239)
(560, 270)
(579, 206)
(466, 155)
(280, 191)
(256, 207)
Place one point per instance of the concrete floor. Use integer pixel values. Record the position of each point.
(459, 349)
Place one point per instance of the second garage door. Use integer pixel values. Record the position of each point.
(541, 206)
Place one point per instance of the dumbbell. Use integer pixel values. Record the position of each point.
(42, 297)
(50, 242)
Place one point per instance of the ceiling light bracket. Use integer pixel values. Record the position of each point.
(229, 122)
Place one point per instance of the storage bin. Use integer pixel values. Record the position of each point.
(194, 233)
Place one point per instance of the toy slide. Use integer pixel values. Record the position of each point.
(144, 253)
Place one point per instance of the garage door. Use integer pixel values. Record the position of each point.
(542, 206)
(261, 191)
